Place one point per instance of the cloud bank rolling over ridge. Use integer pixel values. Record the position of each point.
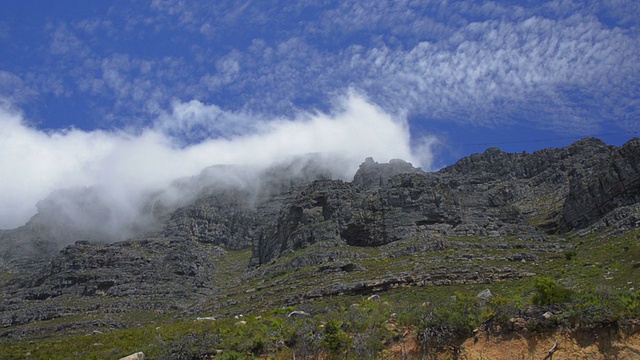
(126, 98)
(124, 166)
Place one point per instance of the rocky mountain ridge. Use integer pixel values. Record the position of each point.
(493, 195)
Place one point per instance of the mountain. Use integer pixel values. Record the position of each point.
(294, 232)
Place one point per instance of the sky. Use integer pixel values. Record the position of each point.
(130, 95)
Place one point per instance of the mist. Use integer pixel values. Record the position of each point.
(114, 172)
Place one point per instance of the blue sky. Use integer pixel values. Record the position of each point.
(83, 84)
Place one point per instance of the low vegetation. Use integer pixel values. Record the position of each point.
(586, 282)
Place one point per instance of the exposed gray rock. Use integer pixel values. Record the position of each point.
(372, 175)
(587, 186)
(299, 313)
(296, 204)
(205, 318)
(399, 280)
(485, 295)
(131, 268)
(489, 194)
(224, 218)
(598, 190)
(136, 356)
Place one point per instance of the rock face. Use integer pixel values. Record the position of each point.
(291, 206)
(489, 194)
(296, 204)
(223, 218)
(127, 268)
(223, 205)
(612, 183)
(372, 175)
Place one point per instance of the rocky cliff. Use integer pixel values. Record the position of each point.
(489, 194)
(179, 253)
(611, 184)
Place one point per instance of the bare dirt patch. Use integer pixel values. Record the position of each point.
(592, 343)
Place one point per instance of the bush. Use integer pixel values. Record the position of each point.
(462, 311)
(335, 339)
(499, 309)
(233, 355)
(548, 292)
(305, 339)
(604, 305)
(630, 303)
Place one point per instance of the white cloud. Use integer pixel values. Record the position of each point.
(193, 121)
(472, 74)
(13, 88)
(227, 71)
(485, 63)
(489, 65)
(64, 42)
(124, 166)
(34, 163)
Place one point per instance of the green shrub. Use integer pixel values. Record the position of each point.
(547, 292)
(499, 309)
(305, 339)
(233, 355)
(369, 315)
(282, 311)
(461, 311)
(630, 303)
(335, 339)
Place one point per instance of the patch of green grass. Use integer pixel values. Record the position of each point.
(229, 266)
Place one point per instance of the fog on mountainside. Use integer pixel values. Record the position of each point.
(112, 185)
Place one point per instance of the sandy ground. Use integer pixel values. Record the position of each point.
(592, 344)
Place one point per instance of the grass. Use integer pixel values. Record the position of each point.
(595, 283)
(228, 266)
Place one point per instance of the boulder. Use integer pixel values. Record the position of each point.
(136, 356)
(209, 318)
(485, 295)
(299, 313)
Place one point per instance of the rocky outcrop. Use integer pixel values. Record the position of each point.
(136, 356)
(436, 278)
(489, 194)
(372, 175)
(295, 204)
(281, 211)
(223, 205)
(595, 191)
(130, 268)
(224, 218)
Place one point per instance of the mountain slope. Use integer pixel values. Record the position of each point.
(293, 234)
